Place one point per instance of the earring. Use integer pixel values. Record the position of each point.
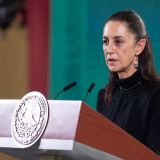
(136, 62)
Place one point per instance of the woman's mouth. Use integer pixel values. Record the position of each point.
(111, 60)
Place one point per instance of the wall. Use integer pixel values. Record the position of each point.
(76, 42)
(13, 62)
(13, 66)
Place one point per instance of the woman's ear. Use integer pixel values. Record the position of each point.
(140, 46)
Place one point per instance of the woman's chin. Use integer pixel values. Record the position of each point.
(113, 69)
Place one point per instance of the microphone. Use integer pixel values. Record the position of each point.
(69, 86)
(89, 91)
(65, 89)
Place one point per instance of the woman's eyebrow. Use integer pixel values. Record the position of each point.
(115, 37)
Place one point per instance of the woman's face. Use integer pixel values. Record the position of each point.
(120, 48)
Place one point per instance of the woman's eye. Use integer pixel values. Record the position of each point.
(118, 42)
(105, 42)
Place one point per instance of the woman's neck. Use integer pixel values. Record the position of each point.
(124, 75)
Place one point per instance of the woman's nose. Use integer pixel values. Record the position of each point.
(108, 48)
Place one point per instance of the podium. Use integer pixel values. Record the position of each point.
(74, 131)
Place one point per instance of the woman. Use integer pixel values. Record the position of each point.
(132, 98)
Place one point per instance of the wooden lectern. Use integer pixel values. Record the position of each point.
(74, 132)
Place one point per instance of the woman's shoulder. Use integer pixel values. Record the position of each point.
(153, 86)
(100, 99)
(101, 92)
(101, 95)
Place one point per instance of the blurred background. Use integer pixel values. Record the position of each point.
(76, 42)
(47, 44)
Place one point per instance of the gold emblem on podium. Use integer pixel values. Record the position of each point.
(29, 119)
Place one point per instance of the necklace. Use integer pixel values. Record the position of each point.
(130, 89)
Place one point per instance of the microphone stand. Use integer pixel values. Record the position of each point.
(65, 89)
(84, 100)
(58, 94)
(89, 91)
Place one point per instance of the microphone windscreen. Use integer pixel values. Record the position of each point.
(69, 86)
(91, 87)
